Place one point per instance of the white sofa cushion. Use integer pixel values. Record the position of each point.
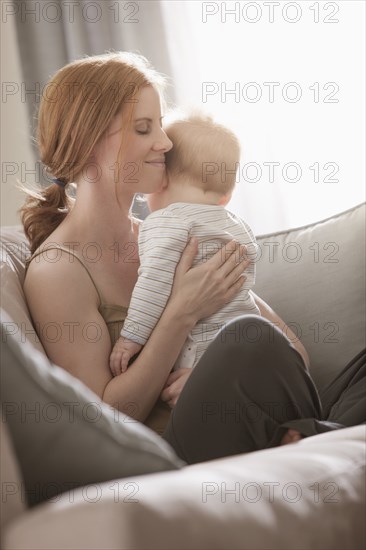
(63, 434)
(314, 278)
(308, 495)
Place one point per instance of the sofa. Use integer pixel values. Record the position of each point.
(100, 480)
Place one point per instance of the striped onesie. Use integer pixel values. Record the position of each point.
(162, 238)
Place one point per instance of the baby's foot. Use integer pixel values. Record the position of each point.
(291, 436)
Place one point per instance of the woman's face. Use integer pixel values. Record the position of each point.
(146, 143)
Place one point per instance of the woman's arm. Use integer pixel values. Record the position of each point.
(268, 313)
(76, 337)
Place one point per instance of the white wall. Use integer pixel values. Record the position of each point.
(16, 152)
(318, 141)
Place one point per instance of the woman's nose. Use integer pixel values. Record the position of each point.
(163, 143)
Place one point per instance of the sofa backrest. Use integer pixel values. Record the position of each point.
(314, 278)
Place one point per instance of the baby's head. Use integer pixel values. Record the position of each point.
(202, 165)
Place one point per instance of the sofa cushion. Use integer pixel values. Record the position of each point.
(14, 251)
(12, 501)
(308, 495)
(314, 278)
(63, 434)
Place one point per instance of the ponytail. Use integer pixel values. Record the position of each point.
(43, 211)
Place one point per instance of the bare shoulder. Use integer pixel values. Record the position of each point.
(63, 303)
(58, 278)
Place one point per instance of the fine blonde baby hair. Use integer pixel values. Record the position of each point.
(204, 152)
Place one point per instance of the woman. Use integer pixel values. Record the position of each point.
(100, 127)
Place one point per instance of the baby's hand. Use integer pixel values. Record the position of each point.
(122, 352)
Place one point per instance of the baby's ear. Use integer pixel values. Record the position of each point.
(224, 200)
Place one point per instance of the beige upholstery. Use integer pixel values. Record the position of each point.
(14, 251)
(12, 498)
(303, 496)
(309, 495)
(314, 278)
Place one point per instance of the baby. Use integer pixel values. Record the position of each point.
(201, 173)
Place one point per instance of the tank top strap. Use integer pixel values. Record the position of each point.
(39, 252)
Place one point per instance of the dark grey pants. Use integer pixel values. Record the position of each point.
(249, 387)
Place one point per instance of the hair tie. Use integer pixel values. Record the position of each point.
(58, 182)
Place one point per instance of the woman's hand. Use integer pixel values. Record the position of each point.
(201, 291)
(174, 385)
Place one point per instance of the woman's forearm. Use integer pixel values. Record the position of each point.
(268, 313)
(136, 391)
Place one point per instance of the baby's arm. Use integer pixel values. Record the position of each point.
(122, 352)
(162, 240)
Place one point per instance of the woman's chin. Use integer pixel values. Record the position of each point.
(149, 188)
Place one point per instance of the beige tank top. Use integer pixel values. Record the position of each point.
(114, 316)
